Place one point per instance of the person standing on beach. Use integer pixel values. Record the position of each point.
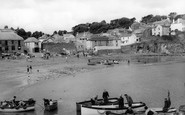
(105, 96)
(28, 69)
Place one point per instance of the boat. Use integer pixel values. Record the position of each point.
(91, 63)
(86, 108)
(49, 107)
(170, 111)
(28, 106)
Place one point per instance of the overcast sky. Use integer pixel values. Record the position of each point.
(51, 15)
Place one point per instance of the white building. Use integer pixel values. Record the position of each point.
(32, 44)
(161, 30)
(128, 39)
(179, 25)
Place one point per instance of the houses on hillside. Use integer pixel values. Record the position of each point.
(161, 28)
(10, 42)
(178, 24)
(32, 44)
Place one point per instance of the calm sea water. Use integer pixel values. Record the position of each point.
(148, 83)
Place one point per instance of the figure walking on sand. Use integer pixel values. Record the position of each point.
(28, 69)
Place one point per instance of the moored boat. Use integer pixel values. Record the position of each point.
(170, 111)
(29, 105)
(50, 106)
(86, 108)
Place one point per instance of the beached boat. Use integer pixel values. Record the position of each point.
(86, 108)
(170, 111)
(52, 107)
(29, 106)
(91, 63)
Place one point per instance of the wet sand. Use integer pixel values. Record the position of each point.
(74, 81)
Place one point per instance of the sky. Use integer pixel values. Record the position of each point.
(53, 15)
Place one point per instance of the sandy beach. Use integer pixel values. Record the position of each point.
(72, 80)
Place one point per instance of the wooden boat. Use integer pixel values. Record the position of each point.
(170, 111)
(29, 106)
(86, 108)
(52, 107)
(91, 63)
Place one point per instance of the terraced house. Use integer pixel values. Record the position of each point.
(10, 42)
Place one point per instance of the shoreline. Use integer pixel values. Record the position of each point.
(73, 70)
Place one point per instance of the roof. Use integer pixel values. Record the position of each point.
(58, 38)
(6, 34)
(31, 39)
(84, 35)
(163, 22)
(68, 36)
(99, 38)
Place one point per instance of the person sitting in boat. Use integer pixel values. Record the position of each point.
(4, 104)
(129, 100)
(21, 103)
(92, 101)
(150, 111)
(105, 96)
(96, 99)
(121, 102)
(46, 101)
(50, 102)
(167, 103)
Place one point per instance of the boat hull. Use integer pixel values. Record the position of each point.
(84, 108)
(51, 107)
(6, 110)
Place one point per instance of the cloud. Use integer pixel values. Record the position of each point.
(51, 15)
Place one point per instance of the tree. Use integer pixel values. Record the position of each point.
(21, 32)
(146, 19)
(172, 15)
(6, 27)
(80, 28)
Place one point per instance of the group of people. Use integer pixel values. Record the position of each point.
(12, 103)
(29, 68)
(105, 96)
(48, 102)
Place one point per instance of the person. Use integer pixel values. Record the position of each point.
(92, 101)
(129, 100)
(167, 103)
(21, 103)
(105, 96)
(121, 102)
(96, 99)
(150, 111)
(28, 69)
(50, 102)
(14, 100)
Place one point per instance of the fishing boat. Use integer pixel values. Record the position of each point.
(170, 111)
(50, 107)
(29, 105)
(112, 107)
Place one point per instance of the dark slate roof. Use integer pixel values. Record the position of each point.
(99, 38)
(6, 34)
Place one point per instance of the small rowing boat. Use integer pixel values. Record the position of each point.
(86, 108)
(50, 105)
(170, 111)
(29, 105)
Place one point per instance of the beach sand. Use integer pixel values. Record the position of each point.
(74, 81)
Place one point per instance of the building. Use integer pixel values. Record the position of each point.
(69, 38)
(129, 39)
(161, 28)
(104, 42)
(82, 41)
(10, 42)
(179, 25)
(32, 44)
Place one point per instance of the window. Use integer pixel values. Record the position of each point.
(19, 48)
(6, 48)
(13, 47)
(12, 42)
(0, 49)
(6, 42)
(0, 42)
(19, 43)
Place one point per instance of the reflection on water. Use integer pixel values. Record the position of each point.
(21, 113)
(51, 112)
